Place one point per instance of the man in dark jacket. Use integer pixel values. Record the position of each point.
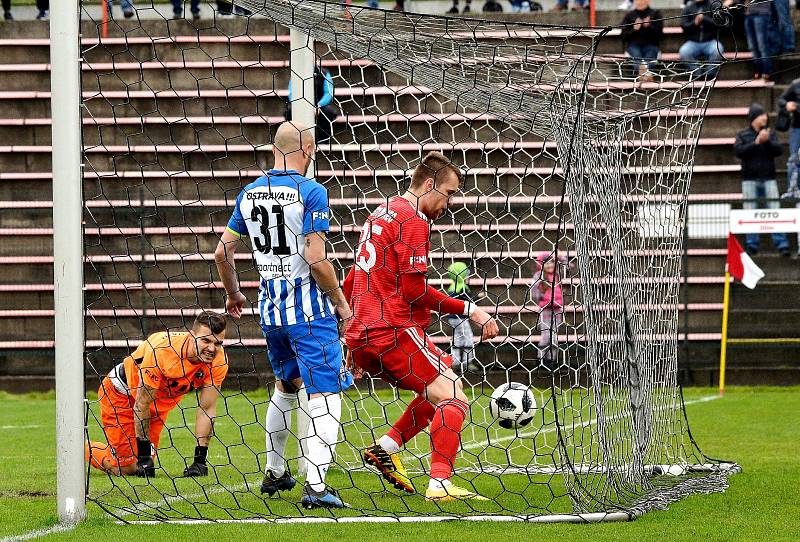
(757, 146)
(787, 106)
(642, 29)
(701, 40)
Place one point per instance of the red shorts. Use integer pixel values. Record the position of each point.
(405, 358)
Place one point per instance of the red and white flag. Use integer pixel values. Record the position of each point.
(741, 266)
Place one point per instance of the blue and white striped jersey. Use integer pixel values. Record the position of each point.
(277, 211)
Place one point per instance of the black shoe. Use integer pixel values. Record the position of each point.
(128, 13)
(177, 14)
(42, 15)
(195, 15)
(467, 9)
(452, 10)
(7, 16)
(752, 251)
(785, 252)
(326, 498)
(272, 485)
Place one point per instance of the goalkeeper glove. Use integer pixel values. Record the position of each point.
(145, 467)
(199, 467)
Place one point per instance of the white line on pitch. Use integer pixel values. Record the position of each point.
(178, 498)
(58, 528)
(20, 426)
(483, 444)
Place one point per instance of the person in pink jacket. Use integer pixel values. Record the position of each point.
(546, 292)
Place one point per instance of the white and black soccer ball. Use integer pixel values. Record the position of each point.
(513, 405)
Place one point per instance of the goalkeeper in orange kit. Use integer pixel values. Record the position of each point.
(138, 394)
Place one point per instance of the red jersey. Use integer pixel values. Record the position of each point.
(395, 240)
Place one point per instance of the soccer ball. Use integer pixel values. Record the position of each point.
(513, 404)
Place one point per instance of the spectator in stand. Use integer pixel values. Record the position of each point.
(326, 110)
(454, 8)
(642, 29)
(463, 348)
(177, 8)
(783, 38)
(546, 292)
(789, 119)
(701, 40)
(563, 5)
(42, 5)
(758, 26)
(787, 109)
(493, 6)
(757, 146)
(126, 5)
(226, 9)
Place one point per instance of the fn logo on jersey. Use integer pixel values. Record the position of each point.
(319, 215)
(414, 260)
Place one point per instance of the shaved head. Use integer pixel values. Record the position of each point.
(292, 136)
(293, 146)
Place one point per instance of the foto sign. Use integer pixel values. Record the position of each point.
(765, 221)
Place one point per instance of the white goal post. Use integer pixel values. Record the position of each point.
(68, 258)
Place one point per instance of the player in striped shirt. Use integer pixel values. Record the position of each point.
(387, 336)
(286, 216)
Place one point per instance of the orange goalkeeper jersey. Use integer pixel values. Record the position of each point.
(160, 362)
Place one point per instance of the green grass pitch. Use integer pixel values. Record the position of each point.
(757, 427)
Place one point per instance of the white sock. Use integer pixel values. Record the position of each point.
(325, 412)
(389, 444)
(439, 483)
(279, 423)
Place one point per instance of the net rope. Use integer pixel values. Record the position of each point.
(566, 151)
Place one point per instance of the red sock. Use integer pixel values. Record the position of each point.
(446, 436)
(417, 416)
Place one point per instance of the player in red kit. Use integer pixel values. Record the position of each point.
(391, 304)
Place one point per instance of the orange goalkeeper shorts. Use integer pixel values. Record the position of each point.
(116, 415)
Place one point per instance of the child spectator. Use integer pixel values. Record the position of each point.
(757, 146)
(546, 292)
(463, 350)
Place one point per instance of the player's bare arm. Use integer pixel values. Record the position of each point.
(226, 267)
(204, 429)
(141, 411)
(324, 273)
(206, 412)
(489, 327)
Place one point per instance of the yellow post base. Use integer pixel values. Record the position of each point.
(723, 351)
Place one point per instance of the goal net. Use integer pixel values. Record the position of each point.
(571, 155)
